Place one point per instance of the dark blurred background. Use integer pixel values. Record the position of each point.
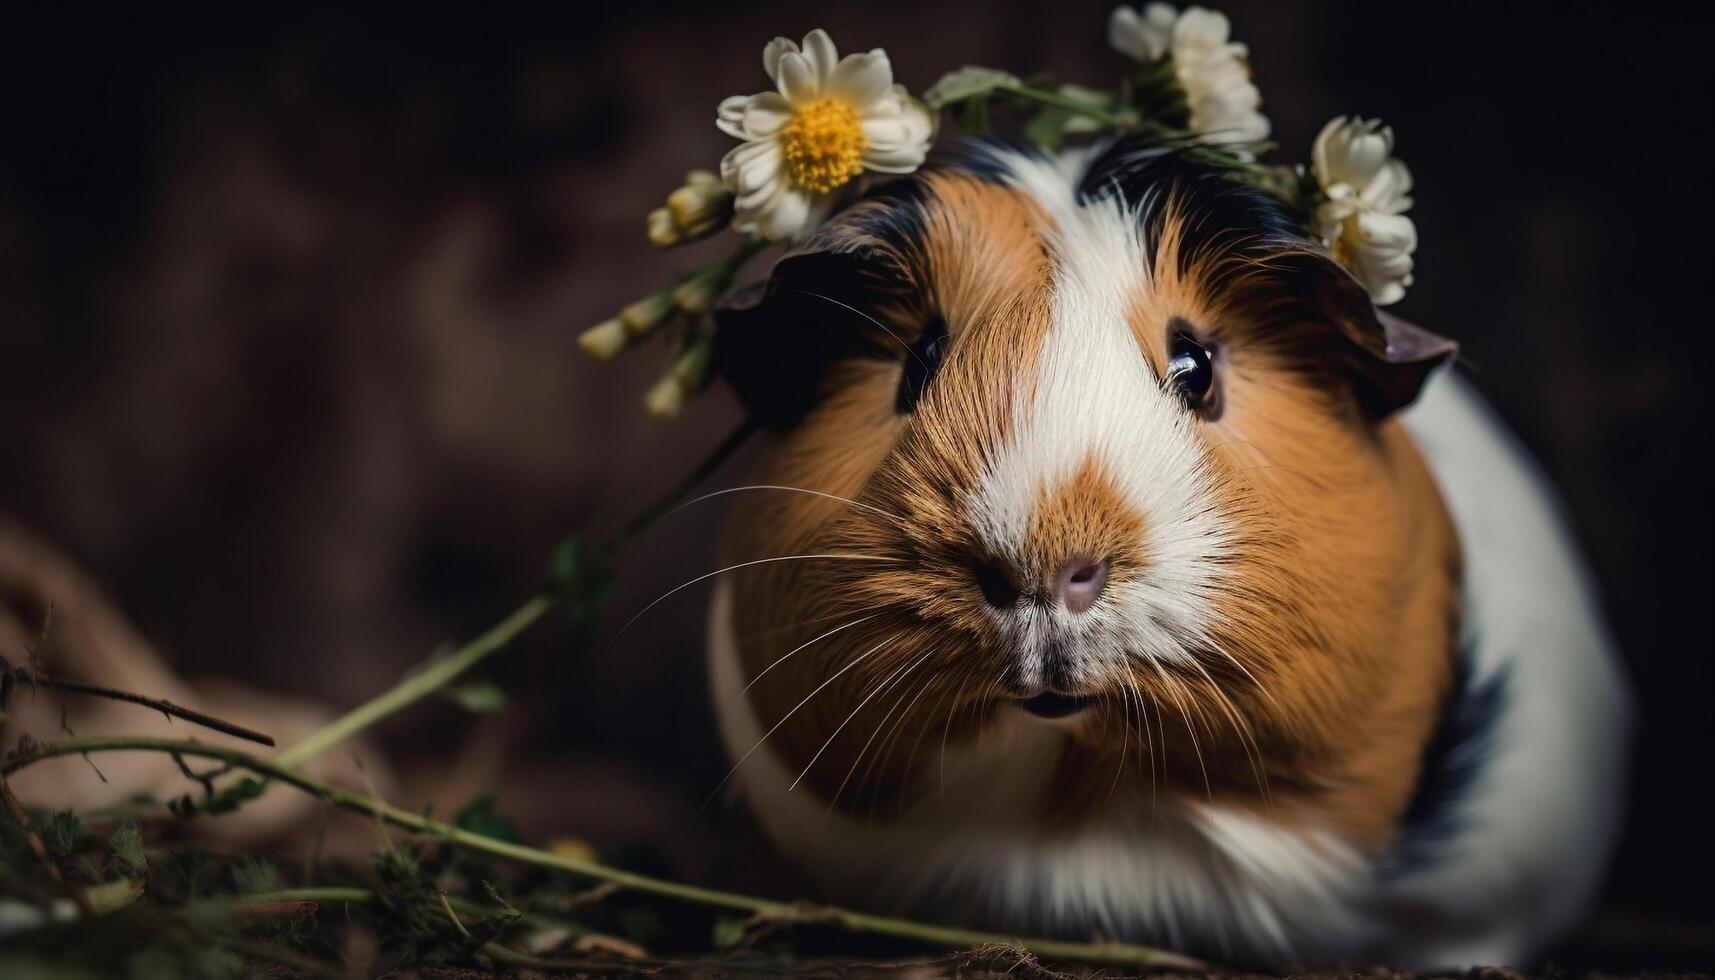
(288, 304)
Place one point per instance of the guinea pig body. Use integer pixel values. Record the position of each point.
(1096, 585)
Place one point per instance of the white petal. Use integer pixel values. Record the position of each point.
(886, 131)
(786, 217)
(1200, 29)
(1321, 150)
(750, 165)
(1390, 189)
(819, 210)
(1142, 37)
(730, 116)
(860, 79)
(776, 49)
(820, 54)
(798, 81)
(896, 160)
(1388, 232)
(1125, 34)
(762, 198)
(751, 210)
(1380, 246)
(899, 143)
(765, 115)
(1384, 293)
(1352, 152)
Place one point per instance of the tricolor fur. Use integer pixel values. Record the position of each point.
(1277, 652)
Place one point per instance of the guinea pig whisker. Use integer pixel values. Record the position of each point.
(899, 675)
(953, 710)
(892, 742)
(731, 568)
(890, 680)
(880, 726)
(1174, 687)
(885, 685)
(860, 658)
(1125, 747)
(760, 673)
(773, 486)
(1136, 694)
(865, 752)
(896, 338)
(1247, 738)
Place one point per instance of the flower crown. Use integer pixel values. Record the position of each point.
(807, 147)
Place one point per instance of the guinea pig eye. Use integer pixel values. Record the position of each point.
(922, 360)
(1191, 373)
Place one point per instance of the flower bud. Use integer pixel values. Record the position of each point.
(647, 313)
(699, 208)
(666, 398)
(663, 233)
(692, 367)
(604, 341)
(696, 294)
(703, 201)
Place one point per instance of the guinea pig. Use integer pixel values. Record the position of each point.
(1115, 568)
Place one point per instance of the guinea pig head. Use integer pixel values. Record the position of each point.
(1104, 443)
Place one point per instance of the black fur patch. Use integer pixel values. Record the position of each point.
(1458, 754)
(1221, 211)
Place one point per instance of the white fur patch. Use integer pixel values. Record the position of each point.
(1096, 398)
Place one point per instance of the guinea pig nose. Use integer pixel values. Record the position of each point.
(1080, 581)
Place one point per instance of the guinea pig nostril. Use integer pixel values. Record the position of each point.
(995, 586)
(1080, 582)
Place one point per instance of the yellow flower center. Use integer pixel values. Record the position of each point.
(824, 145)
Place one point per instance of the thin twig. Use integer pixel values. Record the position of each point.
(30, 675)
(159, 704)
(454, 916)
(944, 936)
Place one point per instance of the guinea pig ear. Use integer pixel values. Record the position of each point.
(772, 343)
(1387, 358)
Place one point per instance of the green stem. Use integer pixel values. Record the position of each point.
(416, 687)
(943, 936)
(356, 896)
(664, 504)
(1114, 119)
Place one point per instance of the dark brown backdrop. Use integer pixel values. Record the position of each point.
(288, 300)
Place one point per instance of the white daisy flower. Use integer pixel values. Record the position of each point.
(1224, 104)
(831, 119)
(1366, 191)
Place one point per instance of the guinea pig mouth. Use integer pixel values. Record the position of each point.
(1053, 704)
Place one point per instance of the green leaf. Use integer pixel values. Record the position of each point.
(126, 845)
(1048, 128)
(968, 82)
(479, 697)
